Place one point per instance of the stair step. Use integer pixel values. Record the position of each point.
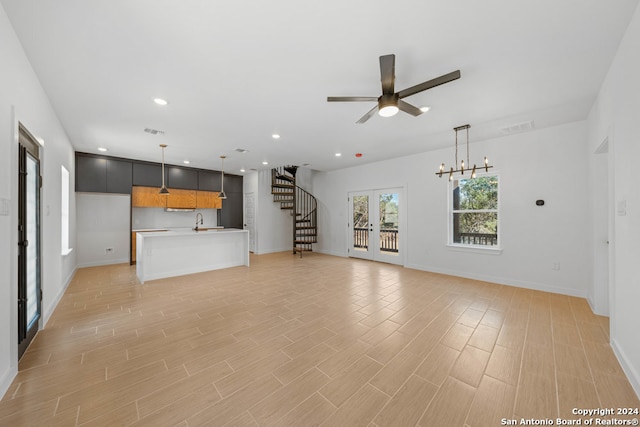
(306, 227)
(283, 193)
(281, 185)
(285, 178)
(286, 207)
(305, 241)
(291, 169)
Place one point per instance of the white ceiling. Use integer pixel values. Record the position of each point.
(235, 72)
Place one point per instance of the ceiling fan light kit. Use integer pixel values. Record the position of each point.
(388, 105)
(451, 171)
(390, 102)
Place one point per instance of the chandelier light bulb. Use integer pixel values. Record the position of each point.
(442, 168)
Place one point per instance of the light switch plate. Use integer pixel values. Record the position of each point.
(5, 207)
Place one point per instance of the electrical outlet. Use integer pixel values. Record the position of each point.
(108, 250)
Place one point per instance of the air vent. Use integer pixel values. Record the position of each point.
(242, 150)
(518, 127)
(154, 131)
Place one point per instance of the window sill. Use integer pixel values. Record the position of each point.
(67, 252)
(487, 250)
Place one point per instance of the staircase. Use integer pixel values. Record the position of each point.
(301, 204)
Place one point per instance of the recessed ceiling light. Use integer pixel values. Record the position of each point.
(160, 101)
(275, 136)
(186, 162)
(265, 163)
(242, 170)
(102, 149)
(338, 154)
(425, 108)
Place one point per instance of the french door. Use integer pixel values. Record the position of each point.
(29, 287)
(375, 229)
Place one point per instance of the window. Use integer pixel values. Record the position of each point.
(474, 213)
(64, 211)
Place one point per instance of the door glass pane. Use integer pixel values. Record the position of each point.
(361, 222)
(32, 238)
(388, 213)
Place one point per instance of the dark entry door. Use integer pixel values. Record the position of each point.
(29, 286)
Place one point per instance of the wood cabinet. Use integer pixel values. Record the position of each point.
(147, 197)
(231, 215)
(209, 180)
(102, 175)
(148, 174)
(182, 178)
(119, 176)
(208, 200)
(133, 247)
(181, 199)
(91, 174)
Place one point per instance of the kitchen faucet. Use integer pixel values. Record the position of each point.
(198, 215)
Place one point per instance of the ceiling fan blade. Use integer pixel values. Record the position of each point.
(368, 115)
(388, 73)
(454, 75)
(408, 108)
(351, 98)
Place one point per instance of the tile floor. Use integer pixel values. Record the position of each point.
(318, 340)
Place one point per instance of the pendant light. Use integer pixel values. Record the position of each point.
(163, 189)
(222, 194)
(462, 169)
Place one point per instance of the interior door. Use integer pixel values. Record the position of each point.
(29, 287)
(250, 219)
(375, 228)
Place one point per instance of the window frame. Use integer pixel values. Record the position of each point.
(65, 220)
(494, 249)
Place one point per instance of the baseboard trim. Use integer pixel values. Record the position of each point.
(101, 263)
(7, 379)
(632, 375)
(48, 311)
(503, 281)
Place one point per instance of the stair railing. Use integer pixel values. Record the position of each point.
(306, 209)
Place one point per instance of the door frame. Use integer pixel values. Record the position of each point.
(252, 237)
(34, 149)
(375, 254)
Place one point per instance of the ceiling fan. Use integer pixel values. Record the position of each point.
(390, 102)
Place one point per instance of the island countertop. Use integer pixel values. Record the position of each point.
(169, 232)
(177, 252)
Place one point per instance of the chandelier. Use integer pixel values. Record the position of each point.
(462, 169)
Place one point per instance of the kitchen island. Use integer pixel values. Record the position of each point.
(178, 252)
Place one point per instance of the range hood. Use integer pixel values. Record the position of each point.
(179, 209)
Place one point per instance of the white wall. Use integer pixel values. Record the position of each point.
(23, 100)
(103, 222)
(545, 164)
(159, 218)
(273, 225)
(615, 115)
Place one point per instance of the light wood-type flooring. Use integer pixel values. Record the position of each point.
(318, 340)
